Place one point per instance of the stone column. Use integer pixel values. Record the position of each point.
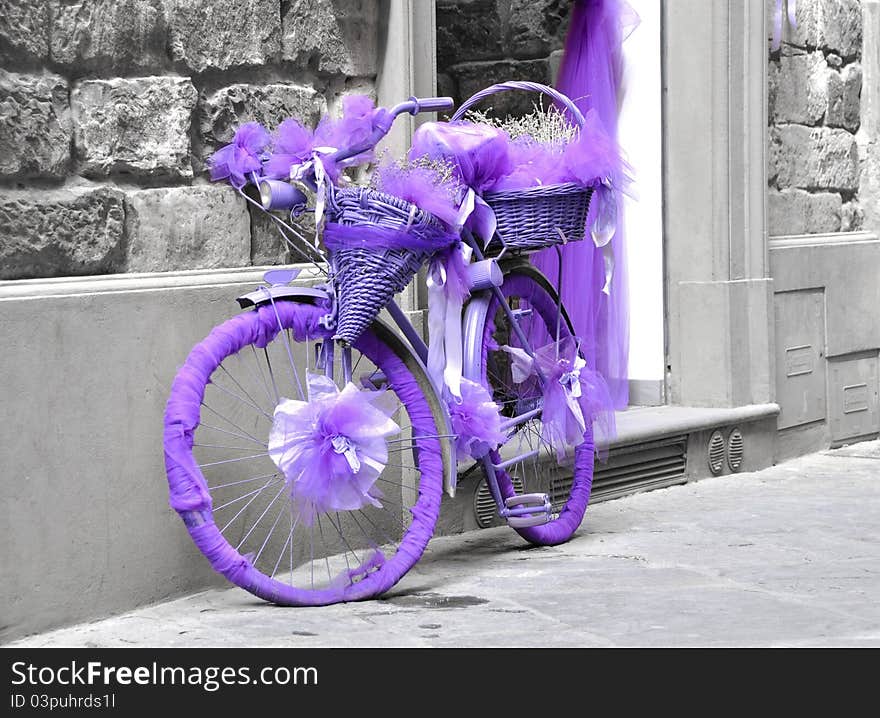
(719, 322)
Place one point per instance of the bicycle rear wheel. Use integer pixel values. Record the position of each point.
(530, 294)
(239, 507)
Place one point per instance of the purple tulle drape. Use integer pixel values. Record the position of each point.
(591, 74)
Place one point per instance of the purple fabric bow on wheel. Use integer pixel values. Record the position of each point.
(331, 448)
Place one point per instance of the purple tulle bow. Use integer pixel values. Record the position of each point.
(242, 157)
(476, 420)
(331, 448)
(293, 146)
(573, 395)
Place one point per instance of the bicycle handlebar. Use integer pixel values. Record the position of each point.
(384, 118)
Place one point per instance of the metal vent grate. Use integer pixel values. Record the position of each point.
(735, 450)
(484, 505)
(638, 467)
(716, 452)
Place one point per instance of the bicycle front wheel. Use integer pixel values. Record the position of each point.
(540, 316)
(240, 508)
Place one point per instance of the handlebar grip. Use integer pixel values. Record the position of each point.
(432, 104)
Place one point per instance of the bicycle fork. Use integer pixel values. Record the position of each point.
(519, 511)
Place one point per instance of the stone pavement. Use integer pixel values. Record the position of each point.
(788, 556)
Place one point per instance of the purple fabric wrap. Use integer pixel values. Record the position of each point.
(331, 448)
(370, 236)
(243, 156)
(476, 420)
(591, 74)
(188, 490)
(560, 529)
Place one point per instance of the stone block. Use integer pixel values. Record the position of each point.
(204, 35)
(112, 35)
(852, 93)
(35, 125)
(138, 126)
(474, 76)
(834, 25)
(61, 232)
(177, 228)
(852, 217)
(536, 27)
(803, 89)
(818, 158)
(468, 30)
(795, 211)
(269, 247)
(229, 107)
(23, 31)
(332, 36)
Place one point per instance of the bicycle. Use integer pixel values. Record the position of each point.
(235, 501)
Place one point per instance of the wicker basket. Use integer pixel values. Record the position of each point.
(534, 218)
(367, 278)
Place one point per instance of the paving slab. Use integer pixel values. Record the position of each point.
(787, 556)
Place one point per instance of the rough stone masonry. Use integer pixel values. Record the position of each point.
(815, 84)
(108, 109)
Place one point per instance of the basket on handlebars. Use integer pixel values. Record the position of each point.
(533, 218)
(367, 277)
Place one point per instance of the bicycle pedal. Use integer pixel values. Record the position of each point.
(521, 313)
(527, 510)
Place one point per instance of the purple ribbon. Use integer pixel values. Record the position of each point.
(447, 291)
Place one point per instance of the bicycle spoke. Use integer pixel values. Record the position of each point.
(269, 535)
(237, 397)
(257, 522)
(243, 508)
(326, 552)
(232, 461)
(224, 446)
(271, 375)
(229, 421)
(243, 496)
(244, 391)
(203, 425)
(260, 371)
(243, 481)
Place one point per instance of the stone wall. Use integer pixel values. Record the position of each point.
(815, 84)
(108, 109)
(481, 42)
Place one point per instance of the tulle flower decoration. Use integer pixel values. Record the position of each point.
(480, 155)
(242, 156)
(430, 184)
(476, 420)
(352, 129)
(331, 448)
(574, 395)
(292, 146)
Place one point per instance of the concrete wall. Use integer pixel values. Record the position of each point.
(111, 108)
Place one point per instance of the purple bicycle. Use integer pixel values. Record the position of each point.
(308, 442)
